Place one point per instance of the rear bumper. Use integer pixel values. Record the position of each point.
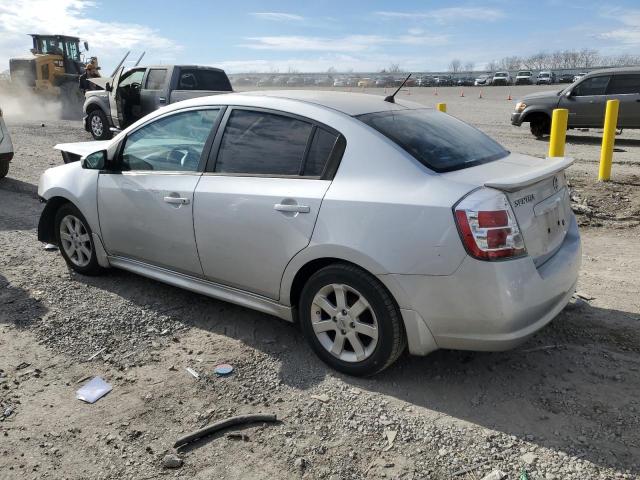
(491, 306)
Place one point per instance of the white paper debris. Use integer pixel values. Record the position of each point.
(93, 390)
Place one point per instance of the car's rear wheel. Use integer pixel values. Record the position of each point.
(4, 168)
(540, 126)
(351, 320)
(73, 235)
(98, 125)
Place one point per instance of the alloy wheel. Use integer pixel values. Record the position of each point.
(96, 125)
(344, 322)
(75, 240)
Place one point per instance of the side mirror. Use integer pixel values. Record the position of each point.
(108, 87)
(95, 160)
(569, 94)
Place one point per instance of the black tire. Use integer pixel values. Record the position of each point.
(391, 340)
(92, 267)
(99, 125)
(540, 126)
(4, 168)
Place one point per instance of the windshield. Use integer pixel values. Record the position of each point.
(524, 74)
(543, 75)
(501, 74)
(440, 142)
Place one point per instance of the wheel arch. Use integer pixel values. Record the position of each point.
(528, 115)
(46, 224)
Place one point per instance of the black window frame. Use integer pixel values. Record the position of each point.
(116, 166)
(330, 168)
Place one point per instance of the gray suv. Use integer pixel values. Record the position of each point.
(586, 100)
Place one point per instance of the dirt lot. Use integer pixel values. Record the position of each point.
(563, 406)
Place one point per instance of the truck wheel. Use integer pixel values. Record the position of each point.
(4, 168)
(540, 126)
(98, 125)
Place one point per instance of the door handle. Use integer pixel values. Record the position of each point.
(162, 99)
(281, 207)
(177, 200)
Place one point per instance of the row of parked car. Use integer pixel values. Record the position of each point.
(524, 77)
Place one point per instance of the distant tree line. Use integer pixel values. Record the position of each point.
(560, 59)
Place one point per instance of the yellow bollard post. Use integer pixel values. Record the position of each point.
(608, 139)
(558, 132)
(442, 107)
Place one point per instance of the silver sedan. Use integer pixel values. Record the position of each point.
(375, 223)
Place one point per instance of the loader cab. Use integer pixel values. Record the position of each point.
(66, 47)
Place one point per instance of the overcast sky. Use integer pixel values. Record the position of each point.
(243, 36)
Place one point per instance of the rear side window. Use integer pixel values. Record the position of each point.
(320, 151)
(156, 78)
(202, 79)
(624, 84)
(592, 86)
(440, 142)
(261, 143)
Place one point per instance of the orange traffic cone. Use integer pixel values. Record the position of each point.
(480, 96)
(462, 92)
(436, 92)
(509, 97)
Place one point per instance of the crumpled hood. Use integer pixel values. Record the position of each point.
(83, 148)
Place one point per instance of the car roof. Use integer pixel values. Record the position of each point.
(345, 102)
(603, 71)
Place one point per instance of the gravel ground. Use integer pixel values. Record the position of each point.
(562, 406)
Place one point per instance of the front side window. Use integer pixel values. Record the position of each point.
(172, 143)
(130, 78)
(261, 143)
(155, 78)
(440, 142)
(624, 84)
(592, 86)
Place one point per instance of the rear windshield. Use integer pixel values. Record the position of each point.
(202, 79)
(438, 141)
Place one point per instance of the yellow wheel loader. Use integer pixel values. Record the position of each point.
(55, 70)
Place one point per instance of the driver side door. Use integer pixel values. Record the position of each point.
(145, 207)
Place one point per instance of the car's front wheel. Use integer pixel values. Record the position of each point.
(4, 168)
(98, 125)
(540, 126)
(73, 235)
(351, 320)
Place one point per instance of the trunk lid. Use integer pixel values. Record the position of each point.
(538, 193)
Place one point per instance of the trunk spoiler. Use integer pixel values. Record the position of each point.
(548, 167)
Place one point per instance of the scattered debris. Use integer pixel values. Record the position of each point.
(584, 296)
(172, 460)
(529, 458)
(323, 397)
(300, 463)
(50, 247)
(23, 365)
(223, 369)
(222, 424)
(7, 412)
(94, 390)
(523, 475)
(390, 435)
(495, 475)
(195, 374)
(238, 436)
(470, 469)
(96, 354)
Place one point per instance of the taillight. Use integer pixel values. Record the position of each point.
(488, 227)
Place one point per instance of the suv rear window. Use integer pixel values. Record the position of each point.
(202, 79)
(438, 141)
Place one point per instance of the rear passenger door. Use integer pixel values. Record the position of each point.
(153, 94)
(256, 205)
(626, 88)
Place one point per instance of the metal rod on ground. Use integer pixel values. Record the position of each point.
(608, 139)
(558, 132)
(222, 424)
(442, 107)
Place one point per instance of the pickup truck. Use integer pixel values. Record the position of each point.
(130, 95)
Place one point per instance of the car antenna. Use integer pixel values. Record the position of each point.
(391, 98)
